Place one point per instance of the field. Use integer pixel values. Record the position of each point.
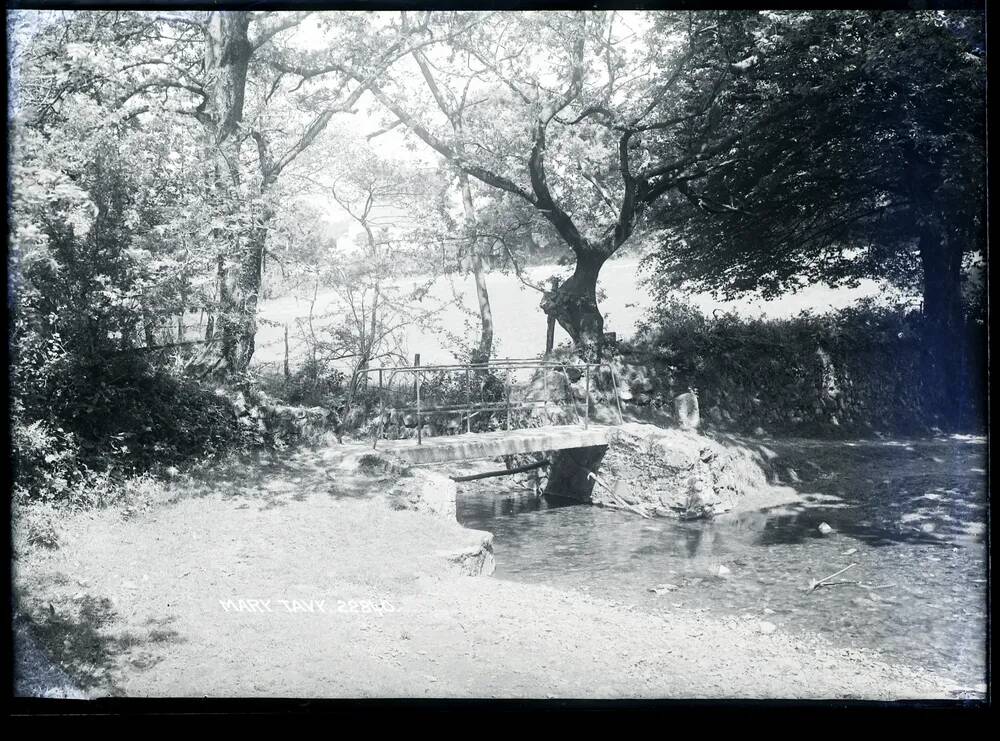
(520, 323)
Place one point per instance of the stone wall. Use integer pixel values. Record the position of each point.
(667, 472)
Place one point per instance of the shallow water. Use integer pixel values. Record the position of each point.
(910, 514)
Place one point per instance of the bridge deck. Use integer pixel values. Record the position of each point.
(474, 446)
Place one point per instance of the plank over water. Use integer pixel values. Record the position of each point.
(472, 446)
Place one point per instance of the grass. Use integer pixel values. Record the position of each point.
(520, 324)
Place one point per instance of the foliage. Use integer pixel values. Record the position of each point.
(854, 371)
(170, 164)
(887, 141)
(92, 274)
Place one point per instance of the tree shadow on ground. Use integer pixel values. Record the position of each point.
(78, 641)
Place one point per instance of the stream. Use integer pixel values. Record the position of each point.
(911, 514)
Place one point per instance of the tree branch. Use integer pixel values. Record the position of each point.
(268, 30)
(184, 21)
(446, 150)
(384, 130)
(161, 82)
(544, 201)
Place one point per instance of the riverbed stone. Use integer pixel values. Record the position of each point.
(477, 558)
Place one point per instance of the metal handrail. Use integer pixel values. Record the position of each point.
(505, 364)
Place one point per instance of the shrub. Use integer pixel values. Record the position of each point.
(855, 370)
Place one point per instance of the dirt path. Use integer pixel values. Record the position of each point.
(354, 599)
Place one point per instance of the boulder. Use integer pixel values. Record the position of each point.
(686, 410)
(477, 558)
(684, 474)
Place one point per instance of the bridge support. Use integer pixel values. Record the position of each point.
(569, 469)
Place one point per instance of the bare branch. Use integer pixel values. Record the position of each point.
(446, 150)
(446, 108)
(384, 130)
(536, 162)
(161, 82)
(274, 24)
(183, 21)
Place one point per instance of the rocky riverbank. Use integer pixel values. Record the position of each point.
(682, 473)
(658, 472)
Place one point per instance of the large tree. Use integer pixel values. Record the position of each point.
(224, 72)
(589, 119)
(883, 176)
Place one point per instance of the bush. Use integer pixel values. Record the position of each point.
(103, 422)
(855, 370)
(46, 463)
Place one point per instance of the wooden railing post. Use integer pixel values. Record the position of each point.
(507, 389)
(468, 401)
(618, 401)
(586, 414)
(416, 364)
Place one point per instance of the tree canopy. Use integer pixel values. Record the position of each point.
(748, 151)
(843, 186)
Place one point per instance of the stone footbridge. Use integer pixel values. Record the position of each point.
(577, 449)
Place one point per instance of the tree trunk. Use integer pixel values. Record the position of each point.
(944, 347)
(287, 371)
(574, 305)
(147, 328)
(485, 348)
(359, 379)
(227, 318)
(227, 58)
(248, 290)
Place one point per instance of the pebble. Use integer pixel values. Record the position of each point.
(723, 571)
(767, 627)
(824, 528)
(663, 588)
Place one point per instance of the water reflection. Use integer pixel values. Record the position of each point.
(504, 504)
